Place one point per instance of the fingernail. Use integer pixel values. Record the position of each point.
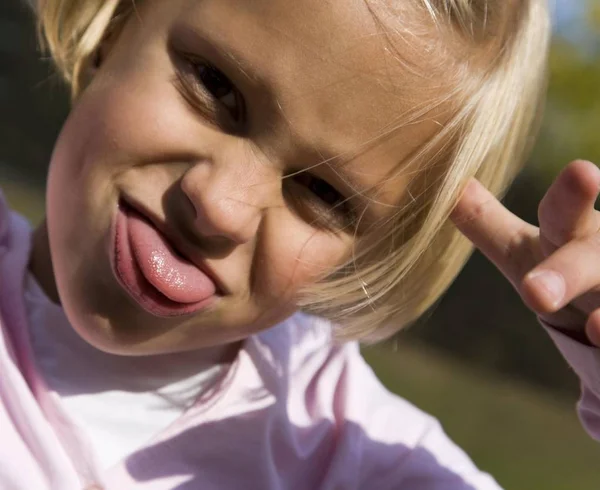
(551, 283)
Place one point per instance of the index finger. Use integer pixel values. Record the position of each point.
(503, 237)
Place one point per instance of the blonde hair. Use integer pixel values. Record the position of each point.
(499, 49)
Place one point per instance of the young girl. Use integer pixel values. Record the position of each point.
(241, 189)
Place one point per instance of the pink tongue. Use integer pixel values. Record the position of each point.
(173, 276)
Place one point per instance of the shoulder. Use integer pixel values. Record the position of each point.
(15, 231)
(335, 378)
(383, 437)
(340, 369)
(4, 220)
(15, 245)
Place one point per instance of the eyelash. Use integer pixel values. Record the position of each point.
(325, 213)
(197, 93)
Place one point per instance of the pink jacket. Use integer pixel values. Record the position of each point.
(295, 411)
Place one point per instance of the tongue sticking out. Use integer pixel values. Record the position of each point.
(172, 275)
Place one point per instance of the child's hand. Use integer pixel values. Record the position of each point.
(565, 249)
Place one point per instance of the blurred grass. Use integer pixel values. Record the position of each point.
(526, 438)
(25, 199)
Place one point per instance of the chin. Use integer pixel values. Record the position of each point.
(107, 333)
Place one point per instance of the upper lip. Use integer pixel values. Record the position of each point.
(177, 243)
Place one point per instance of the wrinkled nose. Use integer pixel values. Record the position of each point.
(228, 202)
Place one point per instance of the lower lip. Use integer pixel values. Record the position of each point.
(131, 276)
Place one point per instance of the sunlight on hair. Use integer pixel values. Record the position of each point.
(400, 270)
(72, 31)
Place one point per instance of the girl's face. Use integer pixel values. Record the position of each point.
(170, 225)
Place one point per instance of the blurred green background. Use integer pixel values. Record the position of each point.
(478, 361)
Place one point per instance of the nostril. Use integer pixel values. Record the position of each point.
(223, 202)
(223, 219)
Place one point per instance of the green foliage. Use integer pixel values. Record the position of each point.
(594, 15)
(525, 438)
(571, 127)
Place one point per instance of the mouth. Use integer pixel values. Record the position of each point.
(153, 272)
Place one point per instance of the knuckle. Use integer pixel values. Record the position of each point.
(475, 212)
(469, 213)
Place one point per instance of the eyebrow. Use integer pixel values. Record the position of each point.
(199, 40)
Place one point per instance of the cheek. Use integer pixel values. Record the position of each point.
(114, 126)
(128, 124)
(297, 256)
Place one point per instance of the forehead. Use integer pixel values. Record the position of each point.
(337, 77)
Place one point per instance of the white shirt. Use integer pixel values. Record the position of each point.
(120, 402)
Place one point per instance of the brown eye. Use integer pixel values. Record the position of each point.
(321, 189)
(319, 203)
(219, 87)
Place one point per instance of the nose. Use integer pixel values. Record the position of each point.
(228, 200)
